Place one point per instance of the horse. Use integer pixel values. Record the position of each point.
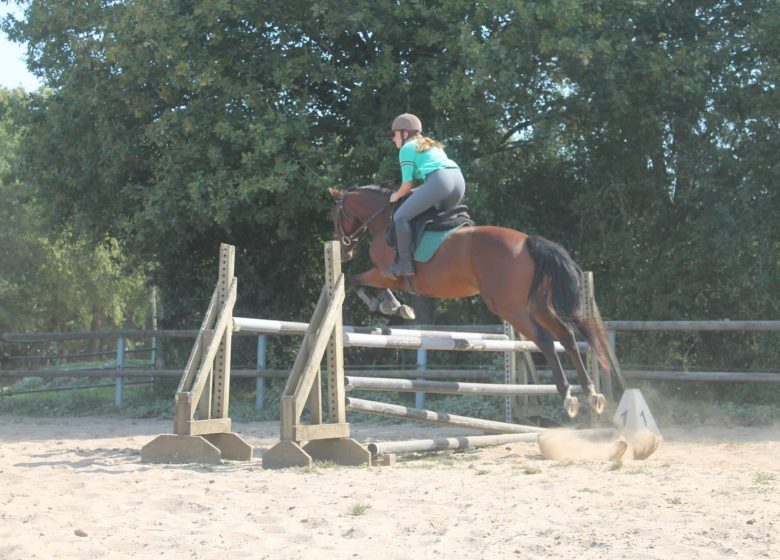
(529, 281)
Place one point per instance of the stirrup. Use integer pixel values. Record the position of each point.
(399, 269)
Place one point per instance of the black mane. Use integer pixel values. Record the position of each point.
(384, 188)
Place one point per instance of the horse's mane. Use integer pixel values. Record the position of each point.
(384, 188)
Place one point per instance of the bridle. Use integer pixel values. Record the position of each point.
(348, 240)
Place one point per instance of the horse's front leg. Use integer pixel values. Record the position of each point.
(392, 307)
(386, 303)
(372, 302)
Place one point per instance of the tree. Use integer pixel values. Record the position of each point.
(54, 280)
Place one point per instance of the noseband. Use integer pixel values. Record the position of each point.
(359, 233)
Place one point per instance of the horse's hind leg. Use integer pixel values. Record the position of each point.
(565, 335)
(537, 334)
(596, 400)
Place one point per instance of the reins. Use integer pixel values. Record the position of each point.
(359, 233)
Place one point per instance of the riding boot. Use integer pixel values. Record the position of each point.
(403, 240)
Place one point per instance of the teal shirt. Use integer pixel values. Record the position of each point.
(416, 166)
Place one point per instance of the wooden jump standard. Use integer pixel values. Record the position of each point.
(201, 424)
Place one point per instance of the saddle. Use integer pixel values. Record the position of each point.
(432, 219)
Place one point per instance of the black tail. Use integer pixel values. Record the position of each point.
(556, 289)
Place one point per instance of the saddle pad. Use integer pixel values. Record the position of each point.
(430, 242)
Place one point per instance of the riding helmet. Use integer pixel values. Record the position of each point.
(407, 121)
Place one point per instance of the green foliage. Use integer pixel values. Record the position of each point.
(53, 279)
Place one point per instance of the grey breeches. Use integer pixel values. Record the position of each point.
(443, 188)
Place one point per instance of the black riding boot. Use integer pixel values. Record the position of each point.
(403, 239)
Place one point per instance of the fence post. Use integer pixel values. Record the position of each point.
(261, 365)
(422, 365)
(119, 382)
(510, 374)
(154, 327)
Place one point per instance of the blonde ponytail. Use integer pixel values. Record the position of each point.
(424, 144)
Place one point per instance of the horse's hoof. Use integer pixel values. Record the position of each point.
(597, 402)
(406, 312)
(619, 450)
(388, 307)
(644, 444)
(571, 405)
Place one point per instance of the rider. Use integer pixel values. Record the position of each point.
(423, 161)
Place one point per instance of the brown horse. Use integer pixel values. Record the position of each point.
(530, 282)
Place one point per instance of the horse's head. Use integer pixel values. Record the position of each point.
(358, 211)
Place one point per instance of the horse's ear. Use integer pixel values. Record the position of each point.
(335, 193)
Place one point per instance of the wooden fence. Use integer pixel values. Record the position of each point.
(119, 371)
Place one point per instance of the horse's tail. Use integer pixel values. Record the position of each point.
(556, 290)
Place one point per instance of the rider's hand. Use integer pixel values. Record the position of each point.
(395, 197)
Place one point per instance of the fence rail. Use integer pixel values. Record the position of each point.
(120, 370)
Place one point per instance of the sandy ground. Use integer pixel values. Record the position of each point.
(75, 488)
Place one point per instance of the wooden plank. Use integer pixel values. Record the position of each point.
(313, 432)
(223, 320)
(210, 426)
(183, 412)
(144, 372)
(221, 373)
(693, 325)
(300, 360)
(713, 376)
(320, 343)
(194, 360)
(287, 420)
(337, 412)
(314, 402)
(204, 402)
(38, 338)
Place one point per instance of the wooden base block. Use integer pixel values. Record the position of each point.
(342, 451)
(169, 448)
(383, 460)
(232, 446)
(286, 454)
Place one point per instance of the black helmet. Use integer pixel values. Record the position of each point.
(407, 121)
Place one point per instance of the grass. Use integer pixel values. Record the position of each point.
(527, 468)
(359, 509)
(763, 478)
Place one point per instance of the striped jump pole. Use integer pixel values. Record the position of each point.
(269, 326)
(383, 337)
(447, 387)
(431, 417)
(442, 443)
